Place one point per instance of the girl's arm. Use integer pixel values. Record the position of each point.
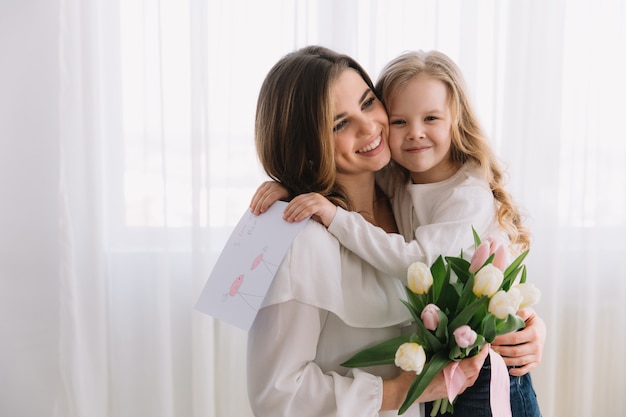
(446, 230)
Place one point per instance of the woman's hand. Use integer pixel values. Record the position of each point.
(267, 194)
(395, 390)
(311, 204)
(523, 349)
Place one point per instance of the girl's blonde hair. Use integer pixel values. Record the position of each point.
(469, 143)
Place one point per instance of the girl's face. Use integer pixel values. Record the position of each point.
(420, 130)
(361, 126)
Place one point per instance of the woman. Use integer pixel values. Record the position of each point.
(321, 128)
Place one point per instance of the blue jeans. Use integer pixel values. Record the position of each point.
(474, 401)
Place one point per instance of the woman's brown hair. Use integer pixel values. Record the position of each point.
(294, 121)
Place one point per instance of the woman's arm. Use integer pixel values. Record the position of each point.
(283, 379)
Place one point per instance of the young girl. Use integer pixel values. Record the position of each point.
(443, 180)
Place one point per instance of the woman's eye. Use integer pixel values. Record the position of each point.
(369, 102)
(339, 126)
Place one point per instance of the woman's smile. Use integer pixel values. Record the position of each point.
(375, 144)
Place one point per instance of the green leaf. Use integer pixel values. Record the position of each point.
(439, 272)
(518, 261)
(523, 279)
(488, 327)
(513, 270)
(512, 323)
(416, 301)
(421, 381)
(442, 330)
(460, 267)
(467, 295)
(466, 314)
(449, 298)
(380, 354)
(476, 238)
(414, 311)
(478, 316)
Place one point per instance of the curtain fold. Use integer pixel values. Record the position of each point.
(156, 114)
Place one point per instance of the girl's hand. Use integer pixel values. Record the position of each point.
(523, 349)
(311, 204)
(267, 194)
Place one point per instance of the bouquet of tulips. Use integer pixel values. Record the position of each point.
(458, 306)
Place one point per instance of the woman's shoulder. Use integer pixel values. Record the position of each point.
(313, 253)
(315, 235)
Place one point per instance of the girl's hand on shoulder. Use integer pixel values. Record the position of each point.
(311, 204)
(523, 349)
(267, 194)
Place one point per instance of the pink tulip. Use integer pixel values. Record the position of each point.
(499, 261)
(430, 316)
(493, 244)
(480, 256)
(464, 336)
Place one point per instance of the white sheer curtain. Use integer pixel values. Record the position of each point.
(155, 164)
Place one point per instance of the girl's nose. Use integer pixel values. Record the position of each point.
(415, 131)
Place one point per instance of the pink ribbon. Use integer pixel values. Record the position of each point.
(455, 378)
(499, 389)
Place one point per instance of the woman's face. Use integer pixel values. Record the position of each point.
(361, 126)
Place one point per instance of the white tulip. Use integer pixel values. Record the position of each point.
(530, 294)
(411, 357)
(487, 281)
(504, 303)
(419, 278)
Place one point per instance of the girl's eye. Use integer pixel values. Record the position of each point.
(397, 122)
(339, 126)
(430, 118)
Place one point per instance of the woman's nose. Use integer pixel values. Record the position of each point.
(367, 125)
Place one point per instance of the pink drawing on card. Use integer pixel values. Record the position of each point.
(234, 292)
(260, 259)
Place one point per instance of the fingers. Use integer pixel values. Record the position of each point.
(472, 365)
(301, 207)
(523, 349)
(311, 204)
(267, 194)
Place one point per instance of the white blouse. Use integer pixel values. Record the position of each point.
(324, 305)
(433, 219)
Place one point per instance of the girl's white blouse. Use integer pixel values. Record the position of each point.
(433, 219)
